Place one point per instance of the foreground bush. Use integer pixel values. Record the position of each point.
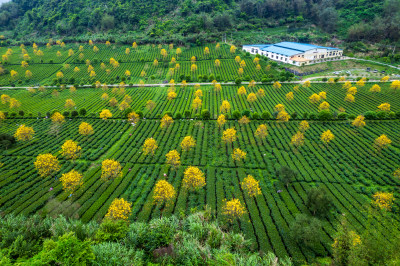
(193, 240)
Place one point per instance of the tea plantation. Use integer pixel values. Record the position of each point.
(351, 168)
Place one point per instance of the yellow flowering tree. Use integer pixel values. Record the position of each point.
(196, 103)
(383, 200)
(229, 135)
(290, 96)
(261, 132)
(69, 104)
(382, 142)
(251, 186)
(327, 136)
(244, 120)
(303, 126)
(261, 93)
(314, 98)
(173, 158)
(171, 95)
(71, 150)
(283, 116)
(352, 90)
(221, 120)
(71, 181)
(5, 98)
(324, 106)
(384, 107)
(193, 179)
(277, 85)
(163, 192)
(187, 143)
(86, 129)
(2, 116)
(47, 164)
(150, 105)
(57, 118)
(133, 117)
(14, 103)
(24, 133)
(238, 155)
(375, 88)
(359, 121)
(110, 169)
(306, 84)
(225, 107)
(297, 140)
(166, 121)
(349, 98)
(252, 97)
(395, 85)
(150, 146)
(119, 209)
(105, 114)
(233, 209)
(279, 107)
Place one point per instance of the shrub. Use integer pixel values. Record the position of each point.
(370, 115)
(74, 113)
(82, 112)
(236, 114)
(351, 117)
(112, 230)
(318, 202)
(116, 254)
(381, 115)
(21, 113)
(246, 112)
(178, 115)
(187, 113)
(255, 116)
(238, 81)
(65, 113)
(325, 115)
(306, 230)
(205, 114)
(67, 250)
(342, 116)
(140, 113)
(313, 116)
(6, 141)
(293, 115)
(305, 115)
(266, 115)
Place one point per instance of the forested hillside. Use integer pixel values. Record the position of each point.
(189, 20)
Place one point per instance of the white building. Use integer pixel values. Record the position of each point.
(295, 53)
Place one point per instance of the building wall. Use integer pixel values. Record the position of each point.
(316, 55)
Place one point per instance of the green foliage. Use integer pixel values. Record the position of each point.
(112, 230)
(306, 230)
(318, 202)
(68, 249)
(286, 175)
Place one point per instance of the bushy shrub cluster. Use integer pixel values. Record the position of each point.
(193, 240)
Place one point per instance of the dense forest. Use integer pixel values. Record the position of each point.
(188, 20)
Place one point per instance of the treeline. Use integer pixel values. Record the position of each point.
(356, 20)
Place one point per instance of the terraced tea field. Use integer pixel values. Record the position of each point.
(350, 167)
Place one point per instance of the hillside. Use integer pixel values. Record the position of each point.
(201, 21)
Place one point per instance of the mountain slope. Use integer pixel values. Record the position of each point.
(373, 20)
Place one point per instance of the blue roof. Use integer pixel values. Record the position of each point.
(258, 45)
(289, 48)
(281, 50)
